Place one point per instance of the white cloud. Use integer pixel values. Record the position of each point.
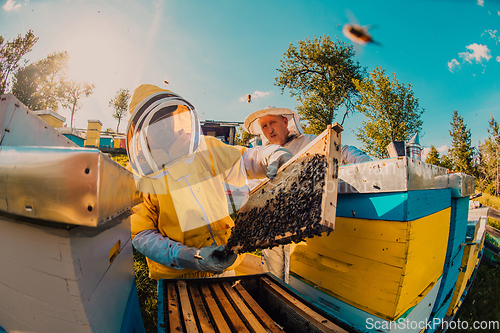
(480, 3)
(497, 58)
(493, 34)
(11, 5)
(452, 64)
(255, 94)
(478, 53)
(442, 150)
(260, 94)
(498, 13)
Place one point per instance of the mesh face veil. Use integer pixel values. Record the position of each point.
(163, 128)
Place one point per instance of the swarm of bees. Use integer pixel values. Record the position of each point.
(287, 209)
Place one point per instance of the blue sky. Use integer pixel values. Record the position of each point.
(214, 53)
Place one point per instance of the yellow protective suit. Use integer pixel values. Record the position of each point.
(182, 174)
(194, 194)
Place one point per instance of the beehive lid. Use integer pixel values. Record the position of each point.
(299, 202)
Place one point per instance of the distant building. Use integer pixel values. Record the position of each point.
(222, 130)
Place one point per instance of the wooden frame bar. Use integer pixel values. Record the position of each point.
(235, 304)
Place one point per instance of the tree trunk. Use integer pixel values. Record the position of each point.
(72, 113)
(498, 185)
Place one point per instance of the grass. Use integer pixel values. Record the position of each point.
(493, 222)
(482, 303)
(147, 291)
(489, 200)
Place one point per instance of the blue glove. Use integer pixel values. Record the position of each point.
(209, 258)
(276, 160)
(158, 248)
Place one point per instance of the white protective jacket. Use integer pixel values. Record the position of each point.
(276, 260)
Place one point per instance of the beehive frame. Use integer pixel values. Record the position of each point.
(274, 203)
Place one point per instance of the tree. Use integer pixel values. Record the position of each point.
(72, 92)
(245, 137)
(488, 168)
(494, 132)
(433, 156)
(461, 151)
(446, 162)
(392, 110)
(10, 55)
(37, 85)
(319, 73)
(120, 104)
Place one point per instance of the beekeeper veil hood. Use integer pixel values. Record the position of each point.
(163, 129)
(253, 127)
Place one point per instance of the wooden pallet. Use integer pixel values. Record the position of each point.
(253, 303)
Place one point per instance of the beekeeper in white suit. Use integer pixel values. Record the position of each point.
(281, 126)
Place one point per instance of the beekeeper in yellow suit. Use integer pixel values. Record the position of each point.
(183, 224)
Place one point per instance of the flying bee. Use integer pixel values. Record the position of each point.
(357, 34)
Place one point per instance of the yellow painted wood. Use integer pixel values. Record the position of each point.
(372, 264)
(93, 133)
(52, 120)
(114, 251)
(470, 260)
(428, 240)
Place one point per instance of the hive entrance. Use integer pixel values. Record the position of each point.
(300, 202)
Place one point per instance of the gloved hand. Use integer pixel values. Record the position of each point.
(279, 157)
(209, 258)
(352, 155)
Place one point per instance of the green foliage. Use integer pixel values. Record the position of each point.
(10, 55)
(461, 150)
(320, 73)
(433, 157)
(121, 159)
(446, 162)
(147, 292)
(120, 104)
(37, 85)
(493, 222)
(71, 92)
(311, 128)
(392, 110)
(489, 200)
(488, 171)
(244, 139)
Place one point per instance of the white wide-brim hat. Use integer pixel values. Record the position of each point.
(252, 124)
